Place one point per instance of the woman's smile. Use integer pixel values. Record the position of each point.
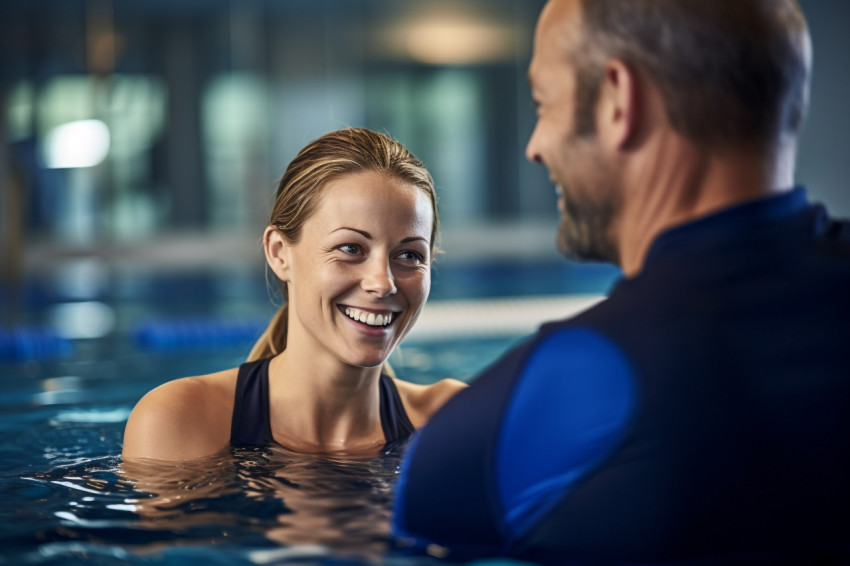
(369, 319)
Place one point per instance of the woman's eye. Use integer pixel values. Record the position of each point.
(411, 256)
(349, 249)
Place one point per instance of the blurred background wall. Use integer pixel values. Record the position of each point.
(148, 134)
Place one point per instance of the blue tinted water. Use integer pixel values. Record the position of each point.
(66, 497)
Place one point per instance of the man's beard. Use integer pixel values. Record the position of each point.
(585, 230)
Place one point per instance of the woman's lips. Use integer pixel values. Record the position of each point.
(372, 318)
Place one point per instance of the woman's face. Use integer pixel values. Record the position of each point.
(360, 273)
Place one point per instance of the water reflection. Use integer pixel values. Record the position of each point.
(342, 505)
(242, 507)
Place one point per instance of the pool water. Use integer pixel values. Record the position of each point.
(66, 496)
(253, 507)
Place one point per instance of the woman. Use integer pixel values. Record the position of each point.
(351, 239)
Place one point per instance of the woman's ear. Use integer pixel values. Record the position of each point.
(277, 252)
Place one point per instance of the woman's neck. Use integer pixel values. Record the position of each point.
(317, 403)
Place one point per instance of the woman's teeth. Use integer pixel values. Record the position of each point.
(369, 318)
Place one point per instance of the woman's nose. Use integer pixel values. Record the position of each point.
(379, 279)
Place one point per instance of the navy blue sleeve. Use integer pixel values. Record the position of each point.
(568, 411)
(446, 491)
(501, 452)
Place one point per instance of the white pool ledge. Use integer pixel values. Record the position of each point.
(496, 317)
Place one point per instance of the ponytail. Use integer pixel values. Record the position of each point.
(273, 340)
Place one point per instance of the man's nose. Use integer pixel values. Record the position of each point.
(531, 152)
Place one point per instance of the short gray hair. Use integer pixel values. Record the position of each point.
(730, 72)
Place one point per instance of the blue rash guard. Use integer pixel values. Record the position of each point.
(701, 413)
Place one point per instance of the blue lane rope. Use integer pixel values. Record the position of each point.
(174, 335)
(24, 344)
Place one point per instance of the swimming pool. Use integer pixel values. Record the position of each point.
(66, 497)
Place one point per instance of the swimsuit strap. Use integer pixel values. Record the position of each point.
(394, 420)
(251, 425)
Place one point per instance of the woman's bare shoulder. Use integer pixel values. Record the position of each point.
(422, 401)
(182, 419)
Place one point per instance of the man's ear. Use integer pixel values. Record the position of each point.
(277, 252)
(618, 109)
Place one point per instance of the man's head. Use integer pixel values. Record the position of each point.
(731, 74)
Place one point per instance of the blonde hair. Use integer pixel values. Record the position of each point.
(329, 157)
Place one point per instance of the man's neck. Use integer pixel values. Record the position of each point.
(672, 182)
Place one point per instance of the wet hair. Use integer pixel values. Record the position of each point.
(335, 154)
(730, 72)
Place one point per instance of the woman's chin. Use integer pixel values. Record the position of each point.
(367, 361)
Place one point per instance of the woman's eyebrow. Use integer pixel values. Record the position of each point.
(368, 236)
(363, 233)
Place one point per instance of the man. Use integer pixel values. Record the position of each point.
(702, 411)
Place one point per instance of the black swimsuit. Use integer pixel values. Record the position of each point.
(251, 425)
